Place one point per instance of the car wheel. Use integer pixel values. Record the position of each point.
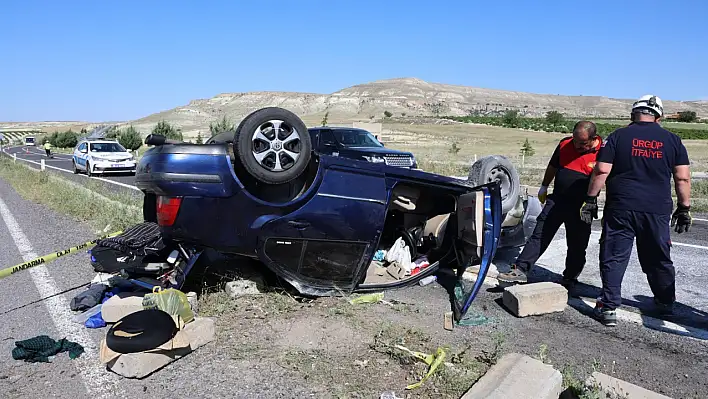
(497, 168)
(88, 169)
(273, 145)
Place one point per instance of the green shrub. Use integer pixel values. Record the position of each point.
(67, 139)
(130, 138)
(511, 118)
(554, 117)
(687, 116)
(165, 129)
(223, 125)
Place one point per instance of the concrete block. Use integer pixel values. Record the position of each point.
(198, 333)
(242, 287)
(535, 299)
(518, 376)
(615, 388)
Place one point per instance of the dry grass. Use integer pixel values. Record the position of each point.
(76, 200)
(432, 144)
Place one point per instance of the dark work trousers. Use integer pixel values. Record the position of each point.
(653, 235)
(555, 213)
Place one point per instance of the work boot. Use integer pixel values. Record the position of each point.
(568, 284)
(515, 276)
(608, 317)
(664, 309)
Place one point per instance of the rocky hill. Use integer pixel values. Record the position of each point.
(409, 96)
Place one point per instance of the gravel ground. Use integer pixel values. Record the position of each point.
(274, 346)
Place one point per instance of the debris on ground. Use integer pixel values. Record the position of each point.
(243, 287)
(143, 363)
(433, 362)
(367, 298)
(40, 348)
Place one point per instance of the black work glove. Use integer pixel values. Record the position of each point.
(588, 211)
(681, 218)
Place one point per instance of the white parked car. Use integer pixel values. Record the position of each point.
(102, 156)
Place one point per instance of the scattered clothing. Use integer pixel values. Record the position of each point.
(89, 298)
(38, 349)
(380, 255)
(95, 321)
(419, 265)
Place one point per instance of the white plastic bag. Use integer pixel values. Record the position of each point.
(400, 254)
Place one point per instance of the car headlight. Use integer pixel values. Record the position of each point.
(374, 158)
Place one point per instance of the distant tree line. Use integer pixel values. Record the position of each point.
(556, 122)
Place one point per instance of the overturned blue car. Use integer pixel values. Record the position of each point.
(327, 225)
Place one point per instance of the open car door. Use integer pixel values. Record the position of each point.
(321, 247)
(478, 230)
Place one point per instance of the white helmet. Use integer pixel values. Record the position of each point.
(649, 102)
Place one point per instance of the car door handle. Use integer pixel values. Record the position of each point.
(298, 224)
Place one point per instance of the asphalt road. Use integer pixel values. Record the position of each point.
(689, 253)
(61, 164)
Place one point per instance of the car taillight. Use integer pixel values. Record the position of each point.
(167, 208)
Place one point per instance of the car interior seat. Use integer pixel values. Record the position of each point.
(435, 227)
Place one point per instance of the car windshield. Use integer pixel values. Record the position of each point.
(29, 139)
(356, 138)
(106, 147)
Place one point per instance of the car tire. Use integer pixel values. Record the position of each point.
(268, 158)
(88, 169)
(75, 169)
(497, 168)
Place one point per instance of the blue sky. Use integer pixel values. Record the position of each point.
(120, 60)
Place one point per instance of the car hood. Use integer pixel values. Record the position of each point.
(111, 155)
(379, 150)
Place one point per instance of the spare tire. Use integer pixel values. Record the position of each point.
(497, 168)
(273, 145)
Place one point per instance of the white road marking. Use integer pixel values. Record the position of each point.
(596, 235)
(72, 172)
(651, 322)
(88, 365)
(647, 321)
(689, 245)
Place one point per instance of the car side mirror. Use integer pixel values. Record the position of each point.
(84, 151)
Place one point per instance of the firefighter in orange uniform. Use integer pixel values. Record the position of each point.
(570, 166)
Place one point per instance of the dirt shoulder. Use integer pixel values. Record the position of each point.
(281, 346)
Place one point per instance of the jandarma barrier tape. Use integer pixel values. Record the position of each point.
(51, 257)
